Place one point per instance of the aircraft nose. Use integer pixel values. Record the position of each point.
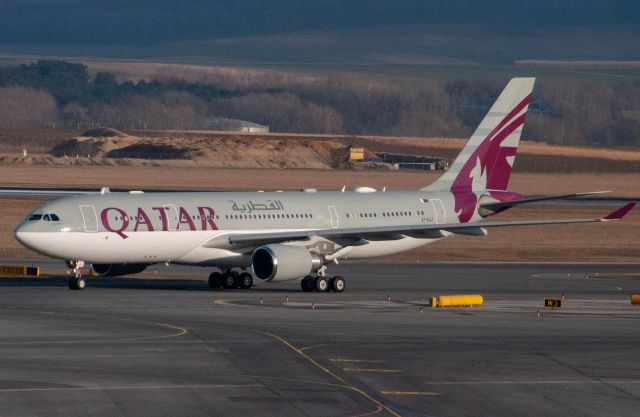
(20, 234)
(24, 234)
(31, 236)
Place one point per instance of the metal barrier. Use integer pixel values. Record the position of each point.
(20, 271)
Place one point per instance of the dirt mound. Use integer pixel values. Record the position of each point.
(149, 151)
(231, 150)
(103, 132)
(90, 146)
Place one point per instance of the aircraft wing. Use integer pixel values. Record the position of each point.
(42, 192)
(424, 230)
(498, 206)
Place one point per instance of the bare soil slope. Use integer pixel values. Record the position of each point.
(276, 150)
(241, 151)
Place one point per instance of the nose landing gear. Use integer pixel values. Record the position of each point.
(77, 281)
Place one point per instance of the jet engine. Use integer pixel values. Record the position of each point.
(279, 262)
(115, 270)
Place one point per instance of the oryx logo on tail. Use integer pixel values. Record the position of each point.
(486, 161)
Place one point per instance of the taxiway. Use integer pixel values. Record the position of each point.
(165, 345)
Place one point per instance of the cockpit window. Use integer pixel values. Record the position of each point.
(47, 217)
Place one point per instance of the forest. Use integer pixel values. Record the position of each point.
(51, 93)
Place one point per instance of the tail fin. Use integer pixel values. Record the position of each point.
(486, 160)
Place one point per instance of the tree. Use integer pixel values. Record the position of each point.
(106, 88)
(26, 107)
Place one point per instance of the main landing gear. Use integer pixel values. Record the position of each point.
(323, 283)
(230, 280)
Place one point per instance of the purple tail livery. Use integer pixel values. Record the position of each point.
(485, 163)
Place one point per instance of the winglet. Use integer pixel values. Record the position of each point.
(620, 213)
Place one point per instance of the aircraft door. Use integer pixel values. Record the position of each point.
(438, 210)
(89, 218)
(333, 214)
(172, 217)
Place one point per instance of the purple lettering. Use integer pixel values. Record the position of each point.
(163, 217)
(123, 217)
(185, 218)
(206, 216)
(143, 219)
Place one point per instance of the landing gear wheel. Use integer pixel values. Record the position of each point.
(338, 284)
(308, 283)
(215, 280)
(245, 280)
(230, 281)
(77, 283)
(322, 284)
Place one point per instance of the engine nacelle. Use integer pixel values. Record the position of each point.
(279, 262)
(115, 270)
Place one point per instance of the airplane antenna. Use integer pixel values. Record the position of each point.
(384, 189)
(344, 187)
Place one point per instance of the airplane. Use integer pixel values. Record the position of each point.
(283, 236)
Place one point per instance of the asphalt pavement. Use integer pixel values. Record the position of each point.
(165, 345)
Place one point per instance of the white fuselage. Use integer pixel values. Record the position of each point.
(193, 228)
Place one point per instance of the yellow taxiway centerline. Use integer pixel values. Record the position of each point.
(410, 393)
(328, 371)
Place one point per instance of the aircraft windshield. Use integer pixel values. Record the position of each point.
(48, 217)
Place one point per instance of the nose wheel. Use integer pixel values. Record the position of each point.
(323, 284)
(77, 283)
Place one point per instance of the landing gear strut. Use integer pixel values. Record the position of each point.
(230, 279)
(323, 283)
(77, 281)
